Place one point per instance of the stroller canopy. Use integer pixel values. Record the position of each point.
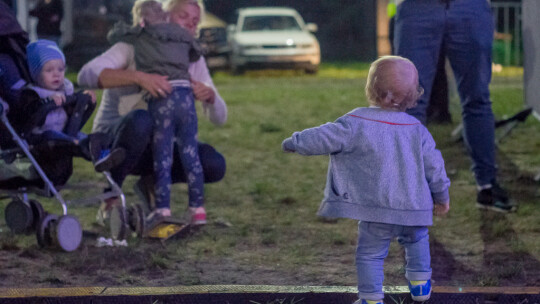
(13, 40)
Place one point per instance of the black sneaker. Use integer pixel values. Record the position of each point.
(496, 199)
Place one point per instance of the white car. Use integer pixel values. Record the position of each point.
(273, 37)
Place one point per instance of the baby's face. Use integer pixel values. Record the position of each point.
(52, 75)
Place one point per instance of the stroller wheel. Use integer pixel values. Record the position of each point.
(38, 213)
(19, 216)
(136, 219)
(117, 223)
(68, 233)
(43, 231)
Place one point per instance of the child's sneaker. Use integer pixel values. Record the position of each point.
(198, 215)
(362, 301)
(109, 159)
(420, 290)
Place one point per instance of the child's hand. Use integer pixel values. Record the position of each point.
(91, 94)
(157, 85)
(287, 145)
(59, 99)
(441, 209)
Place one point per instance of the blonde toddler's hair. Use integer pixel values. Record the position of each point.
(393, 83)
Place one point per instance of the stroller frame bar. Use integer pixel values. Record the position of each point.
(24, 146)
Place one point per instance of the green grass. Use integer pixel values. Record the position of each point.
(270, 199)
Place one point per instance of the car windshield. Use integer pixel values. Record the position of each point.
(270, 23)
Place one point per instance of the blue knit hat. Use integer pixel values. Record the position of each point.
(41, 52)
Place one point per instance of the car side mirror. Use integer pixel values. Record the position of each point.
(231, 28)
(312, 27)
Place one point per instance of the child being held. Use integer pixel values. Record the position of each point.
(384, 171)
(63, 122)
(167, 49)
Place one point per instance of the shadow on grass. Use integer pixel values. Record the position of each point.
(506, 258)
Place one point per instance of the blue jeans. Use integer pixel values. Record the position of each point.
(464, 29)
(175, 117)
(373, 243)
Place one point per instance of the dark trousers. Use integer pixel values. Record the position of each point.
(464, 30)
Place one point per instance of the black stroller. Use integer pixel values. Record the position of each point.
(21, 174)
(40, 169)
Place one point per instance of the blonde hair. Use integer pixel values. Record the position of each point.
(149, 12)
(392, 83)
(170, 5)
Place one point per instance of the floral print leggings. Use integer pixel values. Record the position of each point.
(175, 117)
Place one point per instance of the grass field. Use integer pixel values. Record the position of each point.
(263, 228)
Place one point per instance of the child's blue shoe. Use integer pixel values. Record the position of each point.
(420, 290)
(362, 301)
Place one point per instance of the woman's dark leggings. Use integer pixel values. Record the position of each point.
(134, 133)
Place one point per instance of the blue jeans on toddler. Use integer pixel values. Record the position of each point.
(373, 243)
(175, 117)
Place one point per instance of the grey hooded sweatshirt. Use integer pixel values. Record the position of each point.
(165, 49)
(383, 167)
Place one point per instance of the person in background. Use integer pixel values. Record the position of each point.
(132, 127)
(384, 171)
(463, 30)
(49, 14)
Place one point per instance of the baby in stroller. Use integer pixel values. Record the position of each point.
(42, 121)
(66, 112)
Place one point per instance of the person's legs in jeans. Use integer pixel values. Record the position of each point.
(415, 240)
(469, 46)
(373, 243)
(419, 31)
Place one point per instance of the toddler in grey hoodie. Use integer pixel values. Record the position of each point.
(384, 171)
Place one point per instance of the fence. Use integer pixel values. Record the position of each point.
(507, 47)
